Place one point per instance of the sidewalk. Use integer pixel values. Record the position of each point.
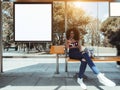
(22, 53)
(39, 74)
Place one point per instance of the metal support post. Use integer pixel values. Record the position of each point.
(1, 61)
(57, 64)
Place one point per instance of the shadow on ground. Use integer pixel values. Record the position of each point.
(43, 74)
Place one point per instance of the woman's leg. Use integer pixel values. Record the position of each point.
(81, 73)
(82, 68)
(102, 79)
(78, 55)
(90, 63)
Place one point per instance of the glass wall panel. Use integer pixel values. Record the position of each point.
(58, 23)
(105, 48)
(9, 46)
(91, 18)
(110, 31)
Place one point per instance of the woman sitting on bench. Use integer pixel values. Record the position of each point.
(72, 43)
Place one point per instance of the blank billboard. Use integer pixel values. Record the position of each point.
(33, 21)
(114, 8)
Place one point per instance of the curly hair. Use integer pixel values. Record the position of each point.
(76, 33)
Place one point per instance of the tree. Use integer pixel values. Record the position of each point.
(77, 17)
(111, 30)
(93, 33)
(7, 20)
(58, 22)
(58, 17)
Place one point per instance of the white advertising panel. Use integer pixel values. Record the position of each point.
(114, 8)
(33, 21)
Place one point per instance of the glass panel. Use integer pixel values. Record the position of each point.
(110, 31)
(91, 18)
(83, 15)
(105, 48)
(58, 23)
(88, 18)
(9, 46)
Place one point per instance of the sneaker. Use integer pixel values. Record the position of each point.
(80, 81)
(105, 81)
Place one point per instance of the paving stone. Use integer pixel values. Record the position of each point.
(33, 74)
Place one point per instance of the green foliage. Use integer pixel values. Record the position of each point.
(110, 27)
(58, 16)
(77, 17)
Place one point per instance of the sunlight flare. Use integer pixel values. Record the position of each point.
(77, 4)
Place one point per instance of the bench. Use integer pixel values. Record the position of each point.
(99, 59)
(57, 50)
(61, 50)
(96, 59)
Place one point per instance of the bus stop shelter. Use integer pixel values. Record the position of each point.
(1, 52)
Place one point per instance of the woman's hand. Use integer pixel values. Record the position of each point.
(67, 43)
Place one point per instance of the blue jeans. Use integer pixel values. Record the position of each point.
(74, 53)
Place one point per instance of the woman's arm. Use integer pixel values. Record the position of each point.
(79, 46)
